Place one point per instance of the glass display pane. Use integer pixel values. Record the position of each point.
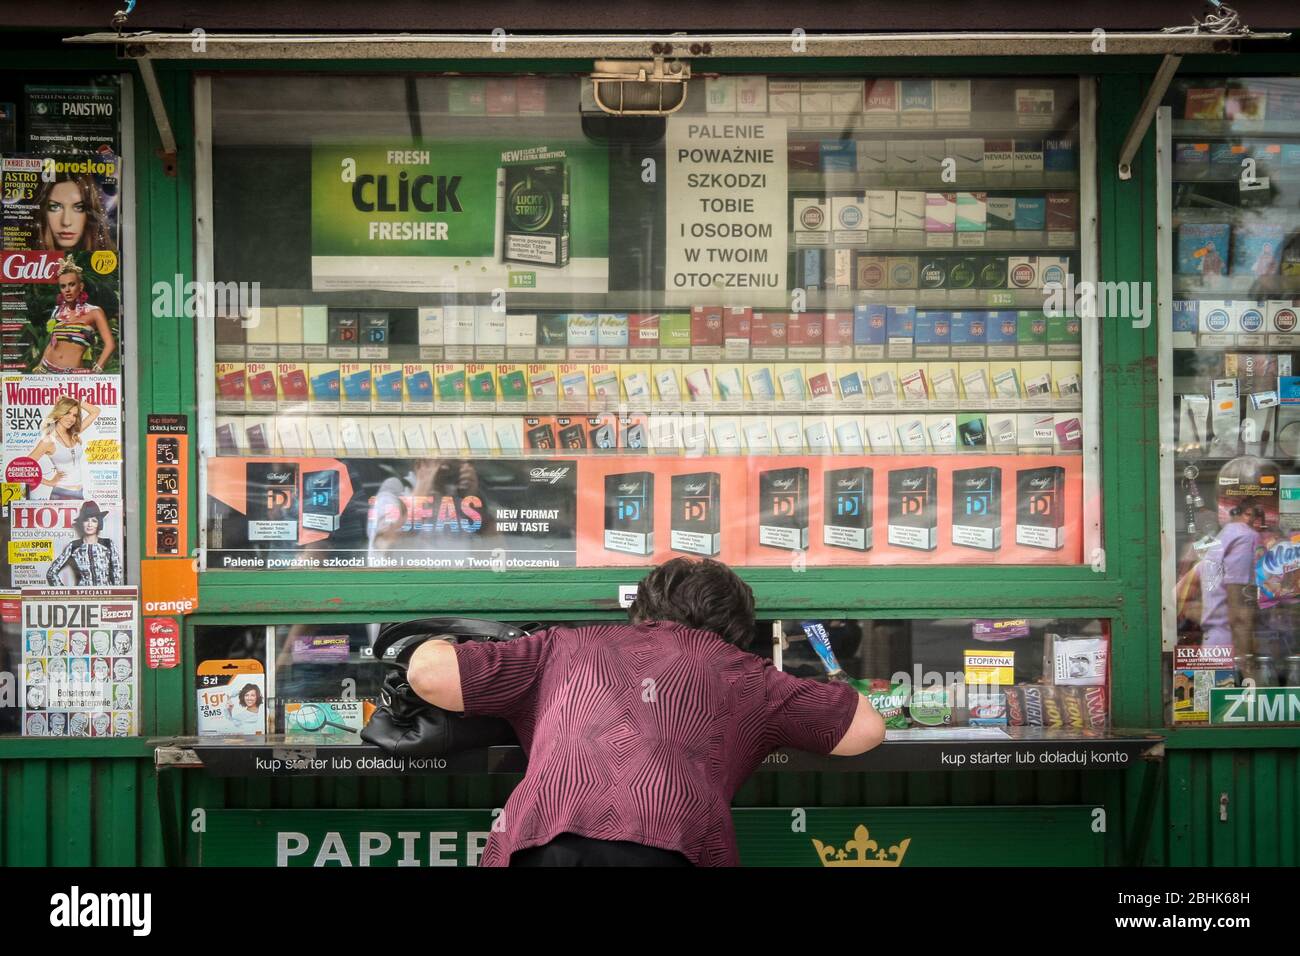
(1234, 420)
(319, 682)
(477, 322)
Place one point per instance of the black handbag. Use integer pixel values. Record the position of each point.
(404, 724)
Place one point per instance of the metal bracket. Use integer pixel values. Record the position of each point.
(168, 152)
(1098, 560)
(1146, 113)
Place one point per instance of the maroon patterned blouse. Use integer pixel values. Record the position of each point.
(640, 732)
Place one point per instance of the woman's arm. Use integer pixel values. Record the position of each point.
(91, 413)
(115, 564)
(435, 675)
(110, 346)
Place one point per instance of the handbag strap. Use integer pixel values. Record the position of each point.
(386, 647)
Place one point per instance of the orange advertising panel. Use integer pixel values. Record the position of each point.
(638, 510)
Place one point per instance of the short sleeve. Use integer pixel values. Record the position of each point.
(499, 678)
(807, 714)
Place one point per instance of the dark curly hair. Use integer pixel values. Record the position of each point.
(703, 594)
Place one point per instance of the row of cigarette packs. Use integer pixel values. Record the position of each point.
(420, 436)
(737, 330)
(878, 101)
(1216, 317)
(994, 161)
(912, 521)
(1195, 159)
(295, 387)
(856, 218)
(847, 270)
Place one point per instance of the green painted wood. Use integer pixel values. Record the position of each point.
(1263, 781)
(34, 813)
(74, 838)
(1288, 789)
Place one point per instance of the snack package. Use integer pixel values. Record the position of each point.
(890, 701)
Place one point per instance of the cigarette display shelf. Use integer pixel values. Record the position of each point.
(1032, 243)
(913, 750)
(1001, 124)
(1245, 286)
(843, 180)
(1232, 129)
(1184, 175)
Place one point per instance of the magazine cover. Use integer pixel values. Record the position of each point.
(80, 663)
(81, 119)
(60, 269)
(62, 436)
(61, 544)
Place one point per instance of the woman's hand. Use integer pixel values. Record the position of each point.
(54, 478)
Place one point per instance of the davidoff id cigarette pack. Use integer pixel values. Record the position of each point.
(783, 508)
(1040, 507)
(977, 508)
(847, 502)
(913, 508)
(696, 507)
(320, 500)
(629, 512)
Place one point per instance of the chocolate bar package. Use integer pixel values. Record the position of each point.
(847, 509)
(629, 512)
(913, 508)
(1040, 507)
(977, 508)
(695, 526)
(783, 508)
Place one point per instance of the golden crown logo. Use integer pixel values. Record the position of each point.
(861, 851)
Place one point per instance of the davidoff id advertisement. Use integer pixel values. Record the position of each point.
(432, 513)
(640, 510)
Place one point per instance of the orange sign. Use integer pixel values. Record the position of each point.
(169, 586)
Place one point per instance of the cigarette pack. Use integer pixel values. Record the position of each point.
(386, 387)
(1040, 507)
(695, 525)
(783, 508)
(846, 501)
(850, 219)
(909, 210)
(629, 513)
(913, 508)
(977, 508)
(1000, 214)
(232, 387)
(536, 198)
(940, 212)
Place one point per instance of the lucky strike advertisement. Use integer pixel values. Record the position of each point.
(629, 510)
